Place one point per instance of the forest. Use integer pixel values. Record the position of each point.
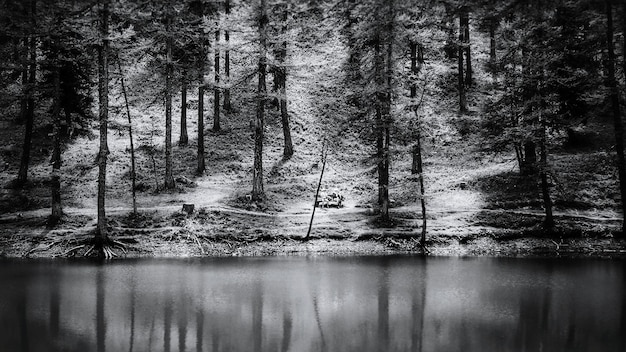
(197, 127)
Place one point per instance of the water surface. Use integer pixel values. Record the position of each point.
(314, 304)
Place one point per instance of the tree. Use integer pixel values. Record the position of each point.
(467, 46)
(200, 11)
(259, 125)
(372, 61)
(417, 165)
(169, 71)
(55, 183)
(549, 75)
(611, 84)
(463, 25)
(133, 171)
(184, 138)
(103, 113)
(216, 88)
(31, 41)
(227, 103)
(280, 77)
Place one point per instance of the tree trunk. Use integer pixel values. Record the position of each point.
(461, 78)
(133, 170)
(387, 115)
(103, 109)
(24, 96)
(624, 40)
(548, 222)
(22, 175)
(492, 43)
(257, 177)
(55, 184)
(379, 105)
(617, 115)
(420, 172)
(417, 166)
(415, 71)
(184, 138)
(529, 162)
(227, 105)
(450, 48)
(201, 62)
(281, 72)
(216, 88)
(288, 149)
(169, 178)
(468, 52)
(319, 186)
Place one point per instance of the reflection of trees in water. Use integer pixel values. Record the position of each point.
(182, 322)
(133, 294)
(100, 318)
(167, 323)
(55, 303)
(22, 303)
(623, 313)
(383, 306)
(418, 307)
(287, 326)
(257, 316)
(392, 305)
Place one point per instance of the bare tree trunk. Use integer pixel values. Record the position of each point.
(133, 170)
(22, 175)
(201, 164)
(385, 75)
(461, 78)
(227, 105)
(617, 114)
(281, 72)
(492, 42)
(319, 185)
(184, 138)
(25, 66)
(103, 107)
(450, 47)
(380, 133)
(420, 172)
(216, 88)
(468, 51)
(530, 158)
(548, 223)
(169, 178)
(55, 184)
(624, 40)
(387, 121)
(257, 177)
(417, 165)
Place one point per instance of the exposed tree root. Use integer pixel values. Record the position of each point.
(422, 246)
(105, 249)
(65, 254)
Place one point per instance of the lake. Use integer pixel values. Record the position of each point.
(397, 303)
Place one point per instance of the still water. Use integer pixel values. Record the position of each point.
(314, 304)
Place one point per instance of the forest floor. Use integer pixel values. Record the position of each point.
(477, 203)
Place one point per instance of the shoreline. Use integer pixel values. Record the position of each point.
(137, 246)
(232, 232)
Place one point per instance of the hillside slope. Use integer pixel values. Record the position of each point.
(472, 196)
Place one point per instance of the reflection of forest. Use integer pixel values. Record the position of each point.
(304, 304)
